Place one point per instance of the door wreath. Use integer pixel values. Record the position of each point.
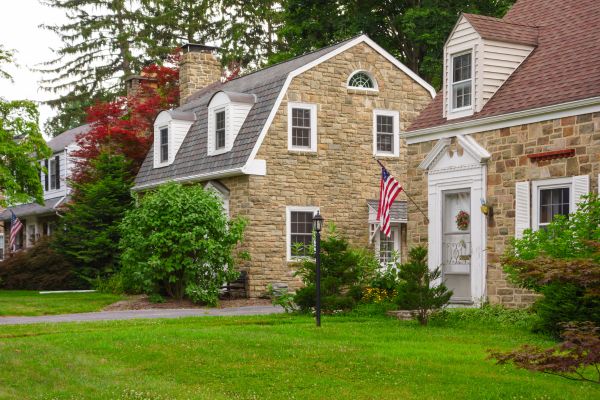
(462, 220)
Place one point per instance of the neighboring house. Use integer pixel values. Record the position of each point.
(517, 127)
(283, 142)
(40, 219)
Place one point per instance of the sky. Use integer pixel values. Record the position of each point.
(20, 31)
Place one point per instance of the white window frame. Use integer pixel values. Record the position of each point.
(52, 173)
(160, 145)
(467, 110)
(396, 134)
(537, 186)
(213, 150)
(313, 127)
(215, 113)
(375, 87)
(288, 227)
(397, 241)
(2, 247)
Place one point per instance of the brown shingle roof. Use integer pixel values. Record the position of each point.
(564, 67)
(497, 29)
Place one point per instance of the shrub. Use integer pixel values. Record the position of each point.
(415, 290)
(179, 242)
(38, 268)
(345, 271)
(88, 234)
(579, 349)
(562, 263)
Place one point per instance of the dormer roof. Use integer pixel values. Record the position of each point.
(497, 29)
(564, 68)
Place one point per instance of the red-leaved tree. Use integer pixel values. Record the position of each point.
(124, 126)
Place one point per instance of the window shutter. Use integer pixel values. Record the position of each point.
(522, 208)
(57, 169)
(581, 187)
(46, 174)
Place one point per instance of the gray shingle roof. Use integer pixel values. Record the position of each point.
(192, 158)
(398, 211)
(58, 143)
(25, 210)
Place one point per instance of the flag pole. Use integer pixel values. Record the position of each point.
(407, 195)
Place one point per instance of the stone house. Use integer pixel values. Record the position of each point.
(281, 143)
(40, 220)
(516, 128)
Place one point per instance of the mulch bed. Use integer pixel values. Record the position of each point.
(141, 302)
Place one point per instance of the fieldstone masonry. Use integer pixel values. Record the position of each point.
(509, 164)
(339, 178)
(198, 69)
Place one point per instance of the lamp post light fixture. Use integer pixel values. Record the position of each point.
(317, 226)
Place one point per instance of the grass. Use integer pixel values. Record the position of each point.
(273, 357)
(25, 302)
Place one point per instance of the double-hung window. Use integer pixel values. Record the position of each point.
(302, 127)
(386, 133)
(299, 231)
(220, 130)
(54, 173)
(462, 82)
(164, 145)
(553, 202)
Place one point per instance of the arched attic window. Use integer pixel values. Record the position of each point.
(362, 80)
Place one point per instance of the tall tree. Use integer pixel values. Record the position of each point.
(100, 46)
(412, 30)
(22, 146)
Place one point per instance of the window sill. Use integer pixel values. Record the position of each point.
(386, 155)
(305, 152)
(367, 92)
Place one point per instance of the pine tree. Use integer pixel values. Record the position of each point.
(89, 235)
(101, 45)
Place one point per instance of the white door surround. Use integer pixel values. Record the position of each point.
(461, 169)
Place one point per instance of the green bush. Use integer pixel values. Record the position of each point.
(561, 262)
(416, 290)
(178, 241)
(39, 268)
(345, 271)
(486, 315)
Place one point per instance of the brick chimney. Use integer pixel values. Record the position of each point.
(134, 83)
(198, 69)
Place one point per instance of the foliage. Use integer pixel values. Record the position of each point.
(123, 126)
(416, 290)
(89, 233)
(377, 295)
(38, 267)
(486, 315)
(561, 262)
(22, 147)
(414, 32)
(178, 240)
(386, 277)
(6, 57)
(579, 349)
(344, 272)
(112, 284)
(282, 298)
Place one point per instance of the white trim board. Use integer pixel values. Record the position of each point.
(288, 228)
(586, 106)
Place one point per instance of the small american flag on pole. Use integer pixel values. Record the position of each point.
(15, 228)
(389, 189)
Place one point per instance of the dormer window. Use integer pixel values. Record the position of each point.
(462, 82)
(220, 130)
(164, 145)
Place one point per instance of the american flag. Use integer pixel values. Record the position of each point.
(389, 189)
(15, 228)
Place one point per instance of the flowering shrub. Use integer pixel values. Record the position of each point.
(377, 295)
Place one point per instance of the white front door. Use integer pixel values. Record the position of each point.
(456, 243)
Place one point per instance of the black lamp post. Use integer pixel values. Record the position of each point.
(317, 226)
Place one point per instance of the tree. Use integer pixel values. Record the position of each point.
(414, 31)
(123, 126)
(416, 290)
(89, 232)
(100, 47)
(6, 57)
(178, 241)
(22, 147)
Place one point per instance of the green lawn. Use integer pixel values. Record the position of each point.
(25, 302)
(271, 357)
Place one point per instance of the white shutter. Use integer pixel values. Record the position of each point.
(522, 208)
(581, 187)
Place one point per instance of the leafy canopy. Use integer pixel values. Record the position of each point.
(178, 241)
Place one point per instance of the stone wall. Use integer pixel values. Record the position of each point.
(340, 177)
(509, 164)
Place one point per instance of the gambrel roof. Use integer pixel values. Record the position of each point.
(563, 68)
(268, 86)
